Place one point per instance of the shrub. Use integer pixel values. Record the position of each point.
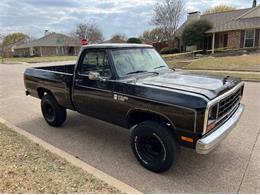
(194, 33)
(168, 50)
(134, 40)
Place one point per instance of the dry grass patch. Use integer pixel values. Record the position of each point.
(246, 76)
(26, 167)
(232, 63)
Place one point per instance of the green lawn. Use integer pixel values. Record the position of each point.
(40, 59)
(230, 63)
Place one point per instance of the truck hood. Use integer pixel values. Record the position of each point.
(207, 86)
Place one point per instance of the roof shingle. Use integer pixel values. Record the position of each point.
(226, 21)
(51, 40)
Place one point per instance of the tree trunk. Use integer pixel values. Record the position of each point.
(2, 55)
(170, 43)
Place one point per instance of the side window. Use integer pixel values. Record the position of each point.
(95, 61)
(249, 38)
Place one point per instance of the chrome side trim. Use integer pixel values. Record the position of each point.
(137, 97)
(149, 100)
(93, 88)
(216, 100)
(52, 71)
(210, 141)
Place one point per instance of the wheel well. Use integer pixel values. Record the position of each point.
(41, 91)
(136, 117)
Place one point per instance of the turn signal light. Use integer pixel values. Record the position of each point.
(187, 139)
(211, 126)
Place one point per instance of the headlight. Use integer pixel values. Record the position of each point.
(212, 117)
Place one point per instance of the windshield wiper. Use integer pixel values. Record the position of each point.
(159, 67)
(138, 71)
(142, 71)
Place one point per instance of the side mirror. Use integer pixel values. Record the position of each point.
(94, 76)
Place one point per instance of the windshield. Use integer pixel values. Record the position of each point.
(139, 60)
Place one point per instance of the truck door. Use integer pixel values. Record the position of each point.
(92, 92)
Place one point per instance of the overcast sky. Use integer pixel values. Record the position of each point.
(130, 17)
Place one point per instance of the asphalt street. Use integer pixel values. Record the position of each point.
(234, 167)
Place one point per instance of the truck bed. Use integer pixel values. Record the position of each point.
(56, 79)
(68, 69)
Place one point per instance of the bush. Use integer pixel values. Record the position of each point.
(134, 40)
(168, 50)
(194, 33)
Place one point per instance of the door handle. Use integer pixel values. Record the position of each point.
(77, 81)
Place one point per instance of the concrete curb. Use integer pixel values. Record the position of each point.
(124, 188)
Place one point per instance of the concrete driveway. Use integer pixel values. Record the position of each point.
(234, 167)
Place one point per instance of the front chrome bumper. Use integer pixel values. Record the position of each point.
(210, 141)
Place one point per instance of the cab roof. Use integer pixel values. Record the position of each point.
(116, 45)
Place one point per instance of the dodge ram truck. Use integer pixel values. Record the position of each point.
(131, 86)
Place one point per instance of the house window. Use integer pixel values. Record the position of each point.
(249, 38)
(223, 39)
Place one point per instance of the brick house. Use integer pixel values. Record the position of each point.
(231, 29)
(8, 50)
(52, 44)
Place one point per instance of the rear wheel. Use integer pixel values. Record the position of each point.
(154, 146)
(53, 113)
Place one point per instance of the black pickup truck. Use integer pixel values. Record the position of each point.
(130, 85)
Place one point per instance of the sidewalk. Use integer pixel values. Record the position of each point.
(251, 180)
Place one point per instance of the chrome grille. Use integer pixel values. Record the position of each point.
(228, 103)
(225, 104)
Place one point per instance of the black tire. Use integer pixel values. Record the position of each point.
(53, 113)
(154, 146)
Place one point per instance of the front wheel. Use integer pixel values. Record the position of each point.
(53, 113)
(154, 146)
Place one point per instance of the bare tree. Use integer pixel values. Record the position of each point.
(90, 31)
(154, 35)
(118, 38)
(167, 16)
(219, 8)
